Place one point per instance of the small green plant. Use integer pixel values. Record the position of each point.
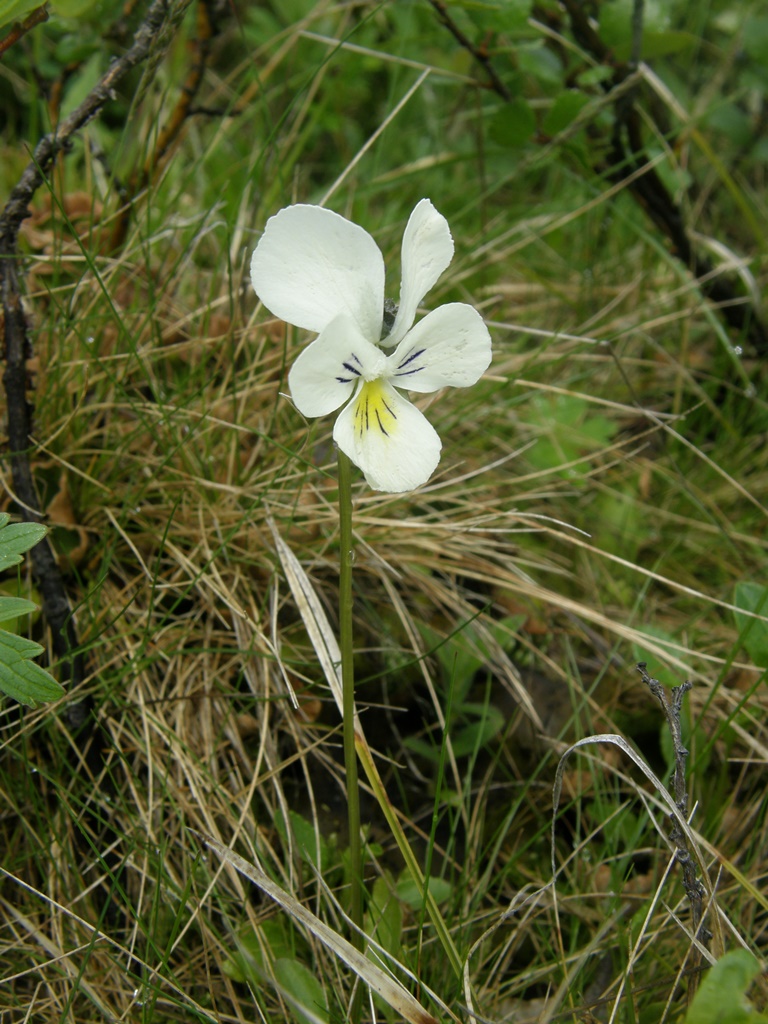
(722, 997)
(20, 677)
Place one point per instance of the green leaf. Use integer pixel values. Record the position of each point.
(305, 838)
(753, 633)
(721, 998)
(302, 989)
(475, 736)
(755, 38)
(384, 921)
(15, 608)
(513, 125)
(498, 15)
(540, 62)
(256, 949)
(654, 661)
(568, 430)
(732, 122)
(15, 10)
(461, 656)
(567, 106)
(16, 538)
(21, 678)
(408, 891)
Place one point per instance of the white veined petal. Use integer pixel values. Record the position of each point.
(427, 251)
(327, 372)
(388, 438)
(311, 265)
(450, 347)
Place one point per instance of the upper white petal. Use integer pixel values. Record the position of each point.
(327, 372)
(311, 264)
(427, 251)
(397, 449)
(451, 346)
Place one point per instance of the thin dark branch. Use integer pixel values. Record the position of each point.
(18, 347)
(477, 53)
(36, 17)
(171, 132)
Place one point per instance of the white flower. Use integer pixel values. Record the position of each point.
(316, 270)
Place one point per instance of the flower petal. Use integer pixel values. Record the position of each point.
(311, 265)
(427, 251)
(450, 347)
(388, 438)
(327, 372)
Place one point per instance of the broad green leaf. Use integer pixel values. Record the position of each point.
(659, 44)
(16, 10)
(594, 75)
(652, 657)
(257, 948)
(21, 678)
(305, 838)
(753, 633)
(755, 38)
(498, 15)
(540, 62)
(15, 608)
(513, 125)
(471, 738)
(384, 921)
(303, 990)
(83, 83)
(409, 893)
(733, 122)
(16, 538)
(461, 656)
(568, 430)
(567, 106)
(721, 998)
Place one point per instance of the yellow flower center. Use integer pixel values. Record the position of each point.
(373, 411)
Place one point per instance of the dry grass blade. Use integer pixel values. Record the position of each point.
(387, 987)
(314, 618)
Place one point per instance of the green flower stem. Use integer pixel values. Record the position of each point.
(346, 559)
(389, 812)
(355, 745)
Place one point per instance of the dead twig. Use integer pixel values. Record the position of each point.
(672, 706)
(173, 128)
(36, 17)
(18, 345)
(478, 52)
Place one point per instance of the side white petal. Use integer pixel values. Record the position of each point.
(427, 251)
(311, 265)
(450, 347)
(388, 438)
(327, 372)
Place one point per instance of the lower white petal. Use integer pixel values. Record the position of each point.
(388, 438)
(450, 347)
(327, 372)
